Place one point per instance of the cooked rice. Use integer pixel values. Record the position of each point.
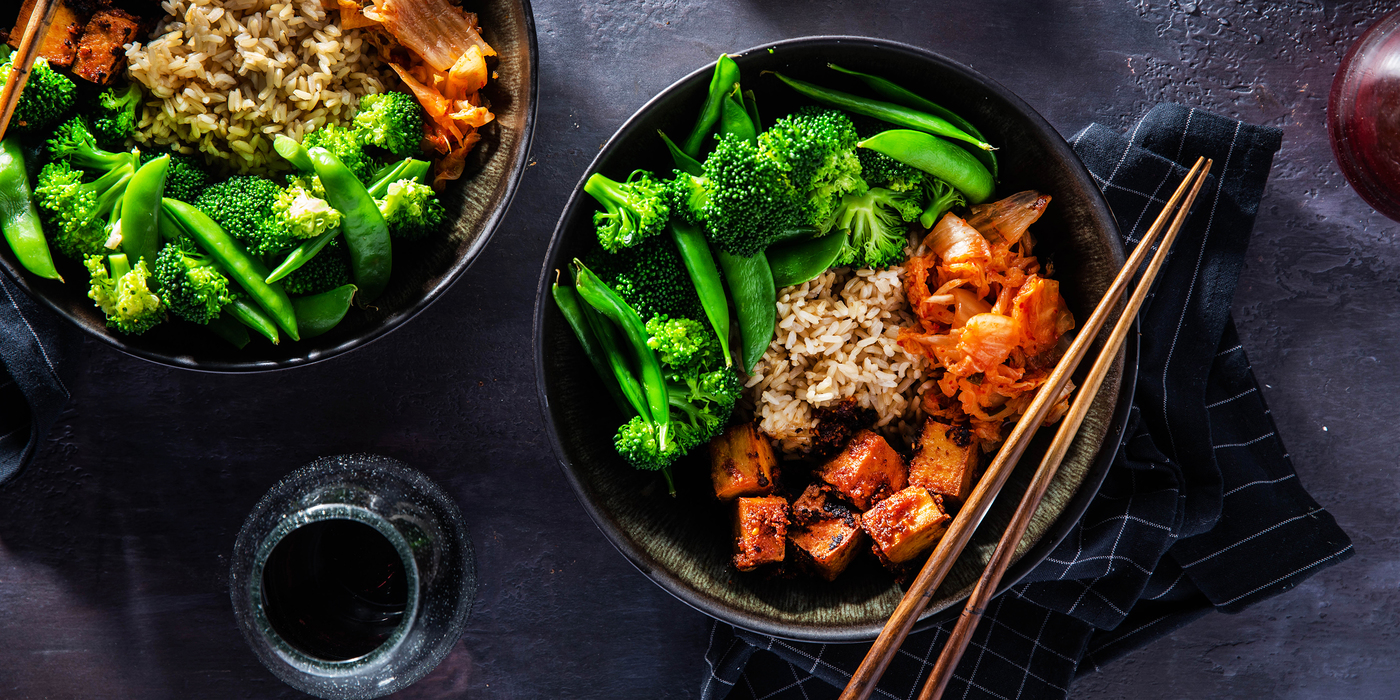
(226, 76)
(837, 339)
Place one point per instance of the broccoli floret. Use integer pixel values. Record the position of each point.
(701, 406)
(650, 277)
(186, 177)
(638, 441)
(685, 346)
(874, 225)
(411, 209)
(345, 145)
(114, 115)
(878, 169)
(47, 95)
(328, 270)
(939, 197)
(297, 214)
(242, 205)
(190, 284)
(75, 143)
(123, 295)
(816, 149)
(635, 209)
(743, 198)
(74, 211)
(393, 121)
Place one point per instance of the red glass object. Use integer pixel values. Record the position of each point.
(1363, 116)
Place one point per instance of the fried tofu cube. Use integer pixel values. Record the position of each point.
(906, 524)
(60, 42)
(866, 472)
(946, 462)
(760, 531)
(742, 463)
(101, 52)
(826, 532)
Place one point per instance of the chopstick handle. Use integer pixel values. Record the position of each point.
(39, 19)
(960, 531)
(1069, 427)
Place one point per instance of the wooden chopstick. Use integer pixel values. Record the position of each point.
(39, 19)
(1001, 558)
(970, 515)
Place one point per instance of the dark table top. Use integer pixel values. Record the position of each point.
(114, 544)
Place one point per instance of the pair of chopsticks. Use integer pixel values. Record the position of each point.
(863, 681)
(39, 19)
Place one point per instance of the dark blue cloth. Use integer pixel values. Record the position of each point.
(31, 392)
(1201, 510)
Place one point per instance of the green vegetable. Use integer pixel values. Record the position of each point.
(191, 284)
(634, 209)
(122, 293)
(345, 145)
(940, 197)
(364, 228)
(816, 149)
(884, 111)
(750, 281)
(186, 177)
(734, 119)
(253, 316)
(391, 120)
(114, 115)
(702, 405)
(74, 142)
(19, 218)
(743, 198)
(76, 212)
(318, 313)
(230, 329)
(298, 213)
(936, 157)
(140, 231)
(572, 309)
(874, 228)
(704, 277)
(47, 95)
(684, 345)
(241, 206)
(620, 369)
(406, 169)
(880, 170)
(324, 272)
(411, 210)
(722, 82)
(651, 278)
(684, 162)
(795, 262)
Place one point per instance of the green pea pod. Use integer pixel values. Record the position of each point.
(735, 120)
(567, 300)
(19, 218)
(755, 298)
(294, 152)
(249, 272)
(936, 157)
(751, 106)
(406, 169)
(609, 304)
(366, 234)
(301, 255)
(907, 98)
(885, 111)
(141, 210)
(169, 230)
(684, 162)
(631, 387)
(704, 276)
(796, 233)
(229, 328)
(725, 77)
(252, 316)
(796, 262)
(318, 313)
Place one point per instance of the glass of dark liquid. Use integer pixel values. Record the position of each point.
(1363, 116)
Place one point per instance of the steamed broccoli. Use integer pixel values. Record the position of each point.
(74, 211)
(345, 145)
(874, 225)
(74, 142)
(880, 170)
(939, 197)
(328, 270)
(186, 177)
(47, 95)
(743, 198)
(299, 212)
(411, 209)
(639, 442)
(190, 284)
(242, 205)
(391, 120)
(636, 208)
(685, 346)
(650, 277)
(114, 115)
(123, 295)
(701, 406)
(816, 148)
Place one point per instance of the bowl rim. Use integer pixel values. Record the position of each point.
(718, 609)
(394, 322)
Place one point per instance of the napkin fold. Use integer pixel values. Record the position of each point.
(1201, 509)
(31, 392)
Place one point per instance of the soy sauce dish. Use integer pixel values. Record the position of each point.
(677, 524)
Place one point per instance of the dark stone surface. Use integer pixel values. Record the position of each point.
(114, 545)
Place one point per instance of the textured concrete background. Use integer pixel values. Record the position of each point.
(113, 545)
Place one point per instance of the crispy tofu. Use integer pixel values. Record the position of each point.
(742, 463)
(760, 532)
(825, 532)
(60, 42)
(946, 462)
(906, 524)
(866, 472)
(101, 51)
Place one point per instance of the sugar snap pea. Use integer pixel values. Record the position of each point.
(140, 215)
(252, 316)
(734, 119)
(684, 162)
(704, 276)
(19, 218)
(885, 111)
(751, 106)
(937, 157)
(244, 269)
(228, 328)
(755, 297)
(572, 309)
(722, 81)
(294, 152)
(795, 262)
(301, 255)
(318, 313)
(366, 234)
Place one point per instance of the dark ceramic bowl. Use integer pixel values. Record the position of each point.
(683, 544)
(422, 270)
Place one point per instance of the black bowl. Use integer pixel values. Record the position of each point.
(423, 270)
(683, 544)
